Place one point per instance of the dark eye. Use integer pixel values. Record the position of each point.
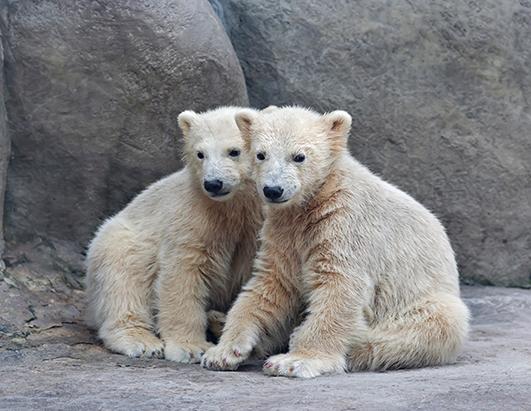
(200, 155)
(260, 156)
(234, 153)
(299, 158)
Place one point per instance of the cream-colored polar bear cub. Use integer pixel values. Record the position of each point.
(182, 247)
(371, 269)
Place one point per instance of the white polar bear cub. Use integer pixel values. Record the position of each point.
(182, 247)
(371, 268)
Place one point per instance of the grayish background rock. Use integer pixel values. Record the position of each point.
(4, 139)
(440, 96)
(94, 90)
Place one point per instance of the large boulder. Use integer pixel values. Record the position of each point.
(94, 90)
(439, 92)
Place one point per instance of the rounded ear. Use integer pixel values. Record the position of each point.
(186, 120)
(269, 109)
(338, 126)
(245, 119)
(338, 123)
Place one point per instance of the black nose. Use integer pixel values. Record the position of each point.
(213, 186)
(273, 193)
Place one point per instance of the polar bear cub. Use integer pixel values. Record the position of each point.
(371, 269)
(182, 247)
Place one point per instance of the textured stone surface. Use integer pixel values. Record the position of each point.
(94, 90)
(4, 140)
(40, 290)
(61, 367)
(439, 92)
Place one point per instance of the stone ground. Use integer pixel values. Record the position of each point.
(62, 367)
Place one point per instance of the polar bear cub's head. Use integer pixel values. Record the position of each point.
(215, 151)
(293, 149)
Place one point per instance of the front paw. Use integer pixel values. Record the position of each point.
(302, 366)
(185, 352)
(225, 357)
(134, 342)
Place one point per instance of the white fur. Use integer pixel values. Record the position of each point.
(371, 268)
(174, 253)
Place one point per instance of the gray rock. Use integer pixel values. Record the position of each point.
(63, 368)
(4, 139)
(440, 96)
(94, 90)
